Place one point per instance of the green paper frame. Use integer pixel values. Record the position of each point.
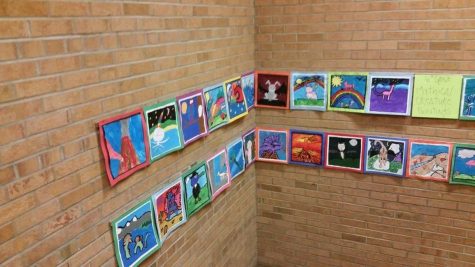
(189, 210)
(452, 179)
(331, 97)
(152, 108)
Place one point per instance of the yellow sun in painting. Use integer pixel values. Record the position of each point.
(184, 107)
(336, 81)
(298, 81)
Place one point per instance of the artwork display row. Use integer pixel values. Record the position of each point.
(412, 158)
(133, 140)
(141, 231)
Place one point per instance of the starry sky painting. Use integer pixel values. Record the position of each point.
(163, 129)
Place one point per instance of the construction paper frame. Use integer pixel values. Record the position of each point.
(322, 147)
(295, 76)
(467, 101)
(253, 149)
(403, 151)
(284, 146)
(248, 87)
(186, 97)
(113, 181)
(148, 207)
(272, 73)
(470, 163)
(332, 98)
(387, 93)
(164, 192)
(178, 136)
(225, 121)
(430, 143)
(236, 146)
(216, 191)
(361, 138)
(187, 175)
(229, 96)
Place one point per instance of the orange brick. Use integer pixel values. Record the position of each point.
(37, 87)
(16, 71)
(7, 51)
(94, 60)
(51, 27)
(31, 49)
(69, 9)
(20, 150)
(7, 93)
(54, 47)
(23, 8)
(136, 9)
(76, 79)
(55, 65)
(13, 29)
(445, 45)
(106, 9)
(82, 26)
(46, 122)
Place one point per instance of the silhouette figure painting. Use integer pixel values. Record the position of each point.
(249, 143)
(197, 189)
(389, 94)
(123, 145)
(344, 152)
(272, 89)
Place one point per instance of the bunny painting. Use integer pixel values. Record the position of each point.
(272, 89)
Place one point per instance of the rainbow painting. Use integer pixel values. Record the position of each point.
(347, 92)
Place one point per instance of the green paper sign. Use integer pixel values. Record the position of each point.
(436, 96)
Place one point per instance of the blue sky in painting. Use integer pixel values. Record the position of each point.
(428, 149)
(464, 161)
(113, 135)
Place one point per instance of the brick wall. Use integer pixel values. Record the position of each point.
(316, 217)
(64, 66)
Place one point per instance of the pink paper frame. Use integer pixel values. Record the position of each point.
(187, 96)
(225, 186)
(327, 151)
(105, 153)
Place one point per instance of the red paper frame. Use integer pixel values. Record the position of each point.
(429, 142)
(327, 150)
(105, 153)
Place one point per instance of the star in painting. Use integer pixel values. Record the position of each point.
(161, 115)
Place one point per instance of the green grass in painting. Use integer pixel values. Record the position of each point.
(205, 195)
(394, 167)
(217, 121)
(308, 102)
(350, 163)
(464, 177)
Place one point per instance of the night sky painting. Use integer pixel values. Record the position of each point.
(163, 129)
(390, 95)
(467, 109)
(344, 152)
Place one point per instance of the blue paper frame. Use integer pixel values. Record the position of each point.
(322, 152)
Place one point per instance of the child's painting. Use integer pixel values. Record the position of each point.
(272, 145)
(235, 98)
(169, 209)
(429, 160)
(344, 152)
(163, 126)
(192, 116)
(247, 81)
(218, 169)
(249, 144)
(236, 158)
(385, 156)
(347, 92)
(463, 165)
(389, 94)
(272, 90)
(436, 96)
(308, 91)
(216, 107)
(306, 148)
(197, 189)
(123, 140)
(135, 236)
(467, 105)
